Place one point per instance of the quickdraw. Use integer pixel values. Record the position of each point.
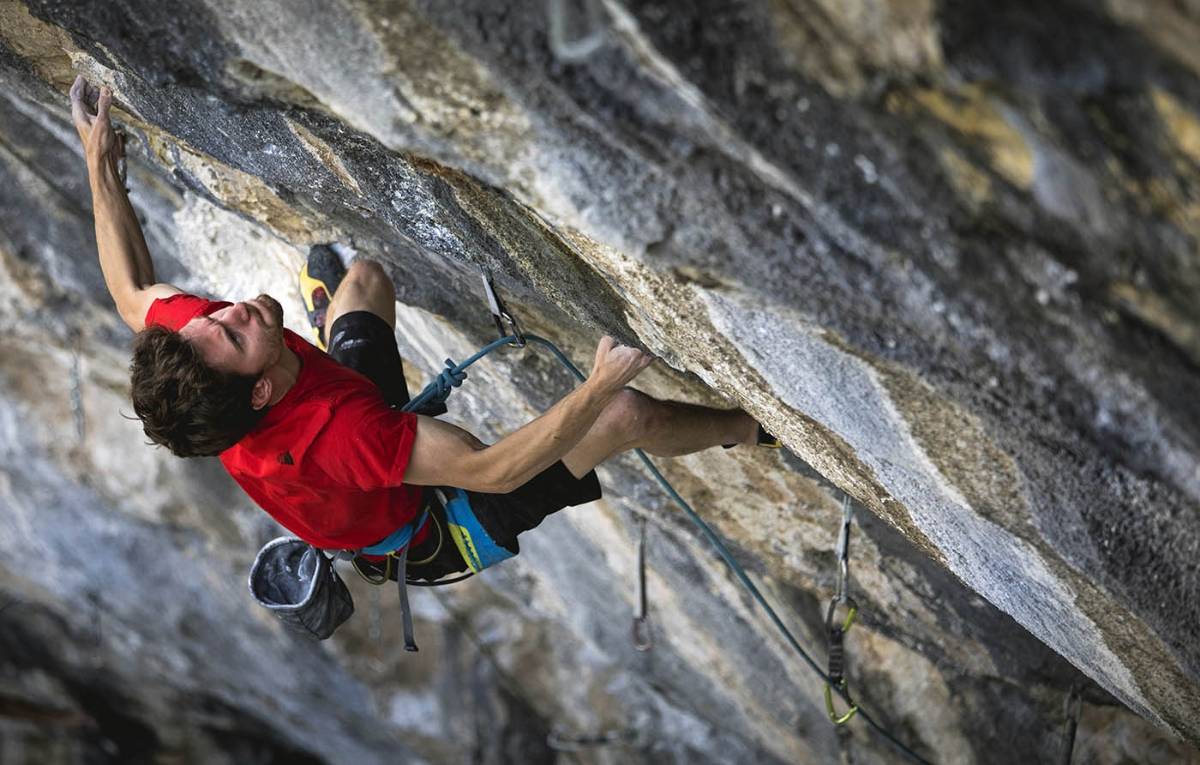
(835, 629)
(506, 323)
(77, 411)
(122, 164)
(1072, 708)
(643, 638)
(564, 742)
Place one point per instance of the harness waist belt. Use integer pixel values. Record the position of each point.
(398, 539)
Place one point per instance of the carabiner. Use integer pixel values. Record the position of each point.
(1072, 708)
(375, 579)
(836, 633)
(834, 717)
(122, 166)
(506, 324)
(842, 552)
(643, 637)
(563, 14)
(851, 614)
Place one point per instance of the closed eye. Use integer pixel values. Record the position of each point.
(234, 337)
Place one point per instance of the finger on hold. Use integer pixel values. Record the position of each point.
(78, 93)
(103, 103)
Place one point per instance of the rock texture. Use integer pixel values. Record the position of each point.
(947, 251)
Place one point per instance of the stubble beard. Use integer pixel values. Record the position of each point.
(275, 331)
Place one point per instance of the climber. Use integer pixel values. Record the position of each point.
(315, 438)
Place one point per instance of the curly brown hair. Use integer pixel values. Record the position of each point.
(184, 404)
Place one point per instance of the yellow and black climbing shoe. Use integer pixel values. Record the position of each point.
(768, 440)
(319, 280)
(764, 439)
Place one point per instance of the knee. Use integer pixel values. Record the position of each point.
(635, 415)
(367, 285)
(368, 273)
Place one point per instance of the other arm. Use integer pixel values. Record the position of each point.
(446, 455)
(124, 257)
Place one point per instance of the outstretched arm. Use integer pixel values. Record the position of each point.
(444, 455)
(124, 257)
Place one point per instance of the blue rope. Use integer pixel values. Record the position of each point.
(455, 374)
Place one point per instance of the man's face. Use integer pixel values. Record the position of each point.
(244, 338)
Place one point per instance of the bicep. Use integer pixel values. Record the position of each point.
(446, 455)
(134, 304)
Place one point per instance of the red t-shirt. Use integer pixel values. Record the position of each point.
(328, 459)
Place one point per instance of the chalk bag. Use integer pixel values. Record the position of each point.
(296, 582)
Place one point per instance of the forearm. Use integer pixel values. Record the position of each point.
(124, 257)
(520, 456)
(443, 455)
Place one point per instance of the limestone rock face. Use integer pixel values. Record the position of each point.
(946, 251)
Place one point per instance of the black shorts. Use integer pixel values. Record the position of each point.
(365, 343)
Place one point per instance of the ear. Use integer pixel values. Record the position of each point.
(260, 396)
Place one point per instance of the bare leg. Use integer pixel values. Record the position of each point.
(662, 428)
(688, 428)
(365, 287)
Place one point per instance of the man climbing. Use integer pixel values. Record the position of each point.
(315, 438)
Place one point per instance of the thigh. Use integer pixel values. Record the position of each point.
(365, 287)
(367, 344)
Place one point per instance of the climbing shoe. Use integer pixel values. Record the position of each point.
(319, 280)
(764, 439)
(767, 440)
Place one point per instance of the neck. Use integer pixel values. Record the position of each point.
(283, 375)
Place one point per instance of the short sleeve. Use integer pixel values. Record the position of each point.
(366, 444)
(177, 310)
